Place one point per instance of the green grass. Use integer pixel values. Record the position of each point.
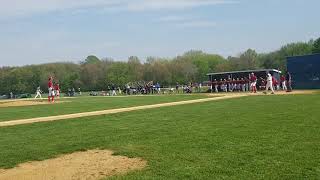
(265, 137)
(83, 104)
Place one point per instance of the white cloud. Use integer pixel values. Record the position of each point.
(186, 21)
(171, 19)
(13, 8)
(173, 4)
(197, 24)
(28, 7)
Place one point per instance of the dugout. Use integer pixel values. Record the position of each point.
(260, 73)
(305, 71)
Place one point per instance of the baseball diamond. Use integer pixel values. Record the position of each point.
(159, 90)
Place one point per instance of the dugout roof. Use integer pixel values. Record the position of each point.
(246, 71)
(260, 73)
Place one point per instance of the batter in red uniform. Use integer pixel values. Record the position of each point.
(253, 81)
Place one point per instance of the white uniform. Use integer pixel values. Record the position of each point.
(38, 93)
(51, 91)
(284, 86)
(243, 86)
(113, 93)
(269, 83)
(57, 93)
(216, 88)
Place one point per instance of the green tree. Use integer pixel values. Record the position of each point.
(316, 46)
(118, 73)
(248, 60)
(92, 60)
(135, 69)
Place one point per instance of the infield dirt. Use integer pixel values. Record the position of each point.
(26, 103)
(88, 165)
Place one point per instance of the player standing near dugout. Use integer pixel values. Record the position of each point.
(51, 90)
(288, 80)
(243, 85)
(269, 84)
(283, 82)
(253, 83)
(216, 85)
(221, 85)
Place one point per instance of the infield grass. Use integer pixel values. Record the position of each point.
(258, 137)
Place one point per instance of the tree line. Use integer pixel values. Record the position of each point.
(96, 74)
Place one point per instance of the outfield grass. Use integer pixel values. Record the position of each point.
(262, 137)
(83, 104)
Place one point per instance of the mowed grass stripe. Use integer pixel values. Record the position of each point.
(110, 111)
(257, 137)
(84, 104)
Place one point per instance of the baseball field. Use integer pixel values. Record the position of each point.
(223, 136)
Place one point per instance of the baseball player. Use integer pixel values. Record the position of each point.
(238, 84)
(221, 85)
(247, 84)
(283, 82)
(274, 83)
(229, 84)
(216, 84)
(243, 85)
(269, 84)
(38, 92)
(289, 81)
(57, 90)
(253, 83)
(225, 85)
(51, 90)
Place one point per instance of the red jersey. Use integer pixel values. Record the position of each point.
(282, 79)
(274, 81)
(50, 85)
(56, 87)
(253, 78)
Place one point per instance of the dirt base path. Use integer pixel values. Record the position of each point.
(89, 165)
(112, 111)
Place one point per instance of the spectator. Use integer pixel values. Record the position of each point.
(158, 87)
(113, 90)
(177, 87)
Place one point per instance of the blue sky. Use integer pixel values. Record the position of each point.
(34, 31)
